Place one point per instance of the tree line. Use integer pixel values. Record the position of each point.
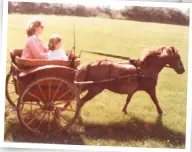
(137, 13)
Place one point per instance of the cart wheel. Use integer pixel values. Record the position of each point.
(10, 93)
(54, 107)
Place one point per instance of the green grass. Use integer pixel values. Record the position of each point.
(104, 123)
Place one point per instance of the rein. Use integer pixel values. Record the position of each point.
(104, 54)
(132, 61)
(109, 55)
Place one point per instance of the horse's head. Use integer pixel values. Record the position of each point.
(173, 59)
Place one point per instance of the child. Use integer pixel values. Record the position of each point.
(55, 52)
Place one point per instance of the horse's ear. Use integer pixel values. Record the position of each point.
(163, 48)
(165, 51)
(174, 50)
(172, 47)
(169, 51)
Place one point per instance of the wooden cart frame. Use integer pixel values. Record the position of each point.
(43, 93)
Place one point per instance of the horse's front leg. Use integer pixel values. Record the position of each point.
(152, 93)
(90, 95)
(127, 102)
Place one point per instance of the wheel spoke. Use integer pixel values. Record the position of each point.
(40, 104)
(56, 91)
(65, 107)
(42, 119)
(50, 90)
(11, 92)
(34, 118)
(31, 110)
(62, 116)
(41, 91)
(16, 99)
(49, 122)
(34, 104)
(70, 110)
(65, 93)
(71, 106)
(31, 121)
(55, 117)
(30, 103)
(59, 103)
(31, 94)
(70, 101)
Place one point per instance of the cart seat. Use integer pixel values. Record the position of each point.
(30, 63)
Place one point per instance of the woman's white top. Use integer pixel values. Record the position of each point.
(57, 55)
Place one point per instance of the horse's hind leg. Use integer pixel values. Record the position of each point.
(152, 93)
(127, 102)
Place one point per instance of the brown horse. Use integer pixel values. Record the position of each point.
(144, 76)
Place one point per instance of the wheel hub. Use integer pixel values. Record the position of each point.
(49, 106)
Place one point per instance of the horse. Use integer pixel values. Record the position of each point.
(142, 75)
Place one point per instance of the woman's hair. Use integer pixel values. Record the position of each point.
(32, 25)
(53, 41)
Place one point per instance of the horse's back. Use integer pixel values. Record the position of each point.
(105, 69)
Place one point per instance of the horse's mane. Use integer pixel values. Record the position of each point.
(152, 52)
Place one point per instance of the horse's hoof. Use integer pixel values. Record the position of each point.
(124, 111)
(162, 113)
(82, 116)
(80, 119)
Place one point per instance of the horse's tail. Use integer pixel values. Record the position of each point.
(81, 76)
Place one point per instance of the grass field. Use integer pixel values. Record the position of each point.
(104, 123)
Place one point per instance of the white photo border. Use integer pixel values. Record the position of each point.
(188, 143)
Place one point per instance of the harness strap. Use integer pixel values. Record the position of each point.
(112, 79)
(110, 71)
(139, 75)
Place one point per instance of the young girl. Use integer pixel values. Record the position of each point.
(55, 52)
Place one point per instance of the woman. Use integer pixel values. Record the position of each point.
(34, 47)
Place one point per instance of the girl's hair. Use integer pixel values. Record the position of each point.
(32, 25)
(53, 41)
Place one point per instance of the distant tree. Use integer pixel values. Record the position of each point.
(44, 8)
(153, 14)
(81, 11)
(28, 7)
(107, 10)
